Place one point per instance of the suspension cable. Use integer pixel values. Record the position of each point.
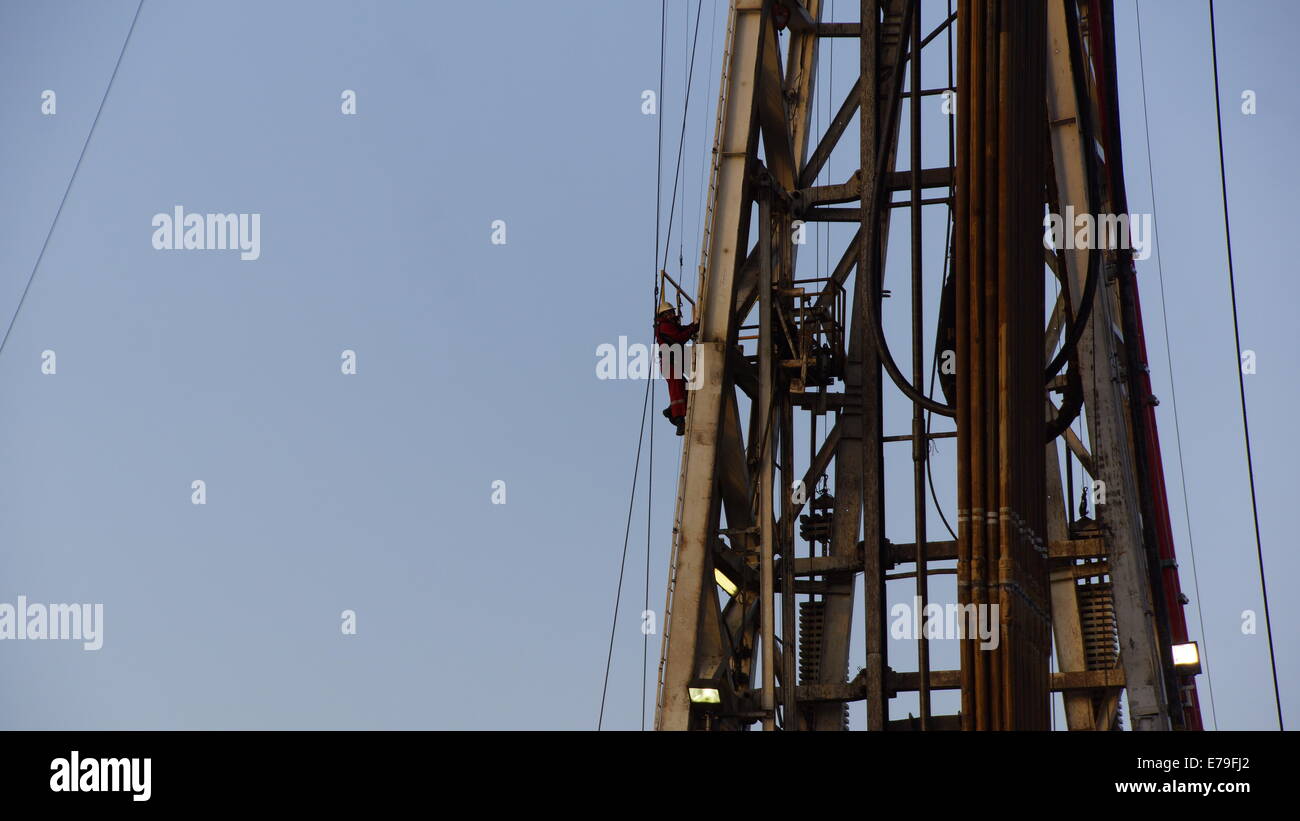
(686, 106)
(645, 402)
(947, 256)
(618, 595)
(1173, 389)
(1241, 379)
(645, 606)
(704, 114)
(59, 211)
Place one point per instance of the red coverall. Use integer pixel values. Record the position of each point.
(668, 331)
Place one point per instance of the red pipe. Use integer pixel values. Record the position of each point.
(1168, 570)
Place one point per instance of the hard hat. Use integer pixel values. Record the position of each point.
(664, 307)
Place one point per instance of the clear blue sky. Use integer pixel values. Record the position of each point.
(476, 362)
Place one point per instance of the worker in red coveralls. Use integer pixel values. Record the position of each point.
(670, 331)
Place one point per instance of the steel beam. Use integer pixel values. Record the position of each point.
(1104, 401)
(737, 140)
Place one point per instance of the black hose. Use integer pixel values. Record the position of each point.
(873, 297)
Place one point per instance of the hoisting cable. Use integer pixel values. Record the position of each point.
(686, 107)
(705, 160)
(668, 239)
(645, 402)
(1241, 379)
(645, 606)
(59, 211)
(1173, 390)
(947, 256)
(618, 595)
(873, 314)
(934, 369)
(650, 474)
(681, 168)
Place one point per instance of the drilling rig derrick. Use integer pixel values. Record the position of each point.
(778, 543)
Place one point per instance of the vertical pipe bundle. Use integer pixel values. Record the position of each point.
(1001, 172)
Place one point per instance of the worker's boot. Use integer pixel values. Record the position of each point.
(680, 422)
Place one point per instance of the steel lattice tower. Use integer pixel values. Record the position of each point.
(754, 632)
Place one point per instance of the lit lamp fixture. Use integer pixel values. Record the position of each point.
(1187, 659)
(724, 582)
(705, 692)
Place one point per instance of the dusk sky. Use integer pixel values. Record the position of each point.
(476, 361)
